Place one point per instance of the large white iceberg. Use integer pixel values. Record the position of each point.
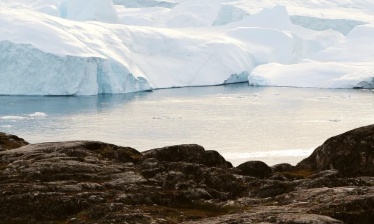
(47, 55)
(79, 47)
(347, 64)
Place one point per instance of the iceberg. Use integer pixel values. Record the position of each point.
(38, 114)
(89, 10)
(347, 64)
(47, 55)
(319, 15)
(79, 47)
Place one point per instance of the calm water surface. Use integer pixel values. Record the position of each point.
(241, 122)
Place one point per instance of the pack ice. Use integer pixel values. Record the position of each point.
(88, 47)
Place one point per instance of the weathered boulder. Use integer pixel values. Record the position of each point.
(8, 141)
(77, 149)
(351, 153)
(190, 153)
(255, 169)
(214, 159)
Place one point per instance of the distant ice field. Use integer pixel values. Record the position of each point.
(271, 124)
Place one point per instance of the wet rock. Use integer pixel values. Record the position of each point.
(351, 153)
(255, 168)
(8, 141)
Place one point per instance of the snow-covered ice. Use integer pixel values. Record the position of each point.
(88, 47)
(346, 64)
(90, 10)
(38, 114)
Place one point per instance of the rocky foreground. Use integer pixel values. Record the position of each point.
(94, 182)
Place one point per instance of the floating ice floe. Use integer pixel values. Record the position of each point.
(38, 114)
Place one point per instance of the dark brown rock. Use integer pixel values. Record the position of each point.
(255, 169)
(351, 153)
(177, 153)
(272, 189)
(150, 167)
(95, 183)
(214, 159)
(191, 153)
(282, 167)
(11, 142)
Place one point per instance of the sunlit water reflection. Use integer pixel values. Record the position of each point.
(241, 122)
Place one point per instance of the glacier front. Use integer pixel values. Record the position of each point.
(66, 47)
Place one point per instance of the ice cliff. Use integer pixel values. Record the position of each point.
(66, 47)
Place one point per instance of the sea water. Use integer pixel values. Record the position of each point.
(271, 124)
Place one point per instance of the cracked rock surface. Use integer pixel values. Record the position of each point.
(88, 182)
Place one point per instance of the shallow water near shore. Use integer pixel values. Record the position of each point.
(271, 124)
